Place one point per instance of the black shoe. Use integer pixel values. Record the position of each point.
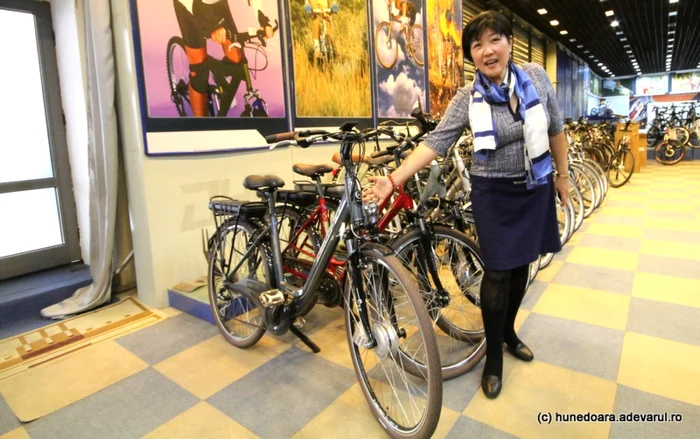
(522, 352)
(491, 385)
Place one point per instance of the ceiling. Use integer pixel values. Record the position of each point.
(644, 23)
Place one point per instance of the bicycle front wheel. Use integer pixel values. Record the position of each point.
(386, 46)
(405, 406)
(621, 168)
(668, 154)
(416, 45)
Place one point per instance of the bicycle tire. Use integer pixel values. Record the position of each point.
(586, 188)
(599, 173)
(417, 55)
(385, 355)
(620, 159)
(661, 153)
(217, 294)
(599, 182)
(577, 199)
(460, 321)
(385, 27)
(176, 95)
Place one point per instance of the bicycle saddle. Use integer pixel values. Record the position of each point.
(270, 182)
(312, 170)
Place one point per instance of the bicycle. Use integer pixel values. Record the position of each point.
(328, 53)
(385, 317)
(621, 166)
(224, 78)
(387, 46)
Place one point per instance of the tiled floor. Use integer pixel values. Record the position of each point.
(613, 322)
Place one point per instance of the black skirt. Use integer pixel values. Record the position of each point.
(515, 224)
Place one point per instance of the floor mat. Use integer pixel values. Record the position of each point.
(41, 346)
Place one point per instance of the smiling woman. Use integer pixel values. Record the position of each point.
(518, 129)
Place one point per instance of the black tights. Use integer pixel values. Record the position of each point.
(501, 295)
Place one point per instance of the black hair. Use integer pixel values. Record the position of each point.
(487, 20)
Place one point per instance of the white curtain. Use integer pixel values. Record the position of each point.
(102, 160)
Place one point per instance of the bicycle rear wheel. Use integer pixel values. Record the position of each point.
(240, 321)
(386, 47)
(668, 154)
(405, 406)
(621, 168)
(178, 68)
(416, 45)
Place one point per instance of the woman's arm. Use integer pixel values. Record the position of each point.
(559, 150)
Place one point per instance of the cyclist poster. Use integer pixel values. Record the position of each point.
(330, 58)
(399, 54)
(209, 58)
(444, 22)
(685, 82)
(618, 87)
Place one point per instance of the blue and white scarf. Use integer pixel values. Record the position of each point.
(538, 163)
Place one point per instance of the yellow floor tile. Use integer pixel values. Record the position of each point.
(670, 206)
(210, 366)
(575, 239)
(666, 195)
(201, 421)
(683, 225)
(47, 388)
(534, 388)
(670, 249)
(19, 433)
(615, 230)
(635, 212)
(584, 305)
(661, 367)
(523, 314)
(620, 259)
(669, 289)
(547, 274)
(358, 421)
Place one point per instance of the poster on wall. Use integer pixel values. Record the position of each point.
(651, 85)
(445, 59)
(211, 59)
(685, 82)
(617, 87)
(330, 58)
(399, 54)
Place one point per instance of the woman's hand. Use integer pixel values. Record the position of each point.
(561, 184)
(379, 191)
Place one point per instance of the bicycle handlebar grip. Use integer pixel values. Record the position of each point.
(377, 154)
(307, 133)
(274, 138)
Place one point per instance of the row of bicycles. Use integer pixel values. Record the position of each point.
(406, 273)
(672, 132)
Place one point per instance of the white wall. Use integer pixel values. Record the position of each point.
(71, 67)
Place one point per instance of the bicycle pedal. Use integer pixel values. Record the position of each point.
(271, 298)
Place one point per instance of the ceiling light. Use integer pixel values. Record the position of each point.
(671, 32)
(564, 32)
(619, 33)
(542, 11)
(609, 13)
(672, 13)
(615, 23)
(554, 23)
(627, 46)
(580, 46)
(600, 63)
(586, 51)
(612, 76)
(623, 39)
(629, 51)
(673, 1)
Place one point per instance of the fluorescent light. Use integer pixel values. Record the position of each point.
(609, 13)
(612, 76)
(673, 1)
(671, 32)
(671, 39)
(554, 23)
(580, 46)
(672, 13)
(586, 51)
(564, 32)
(623, 39)
(572, 39)
(629, 51)
(542, 11)
(615, 23)
(619, 33)
(600, 63)
(627, 46)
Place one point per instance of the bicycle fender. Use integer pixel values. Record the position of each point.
(380, 249)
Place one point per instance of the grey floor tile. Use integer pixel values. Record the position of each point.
(578, 346)
(533, 294)
(130, 408)
(564, 253)
(685, 216)
(611, 242)
(630, 400)
(457, 392)
(685, 237)
(317, 319)
(283, 395)
(165, 339)
(664, 320)
(8, 420)
(606, 218)
(596, 278)
(584, 226)
(469, 428)
(669, 266)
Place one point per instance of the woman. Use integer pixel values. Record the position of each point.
(517, 129)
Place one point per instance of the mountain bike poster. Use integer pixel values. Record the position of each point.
(445, 61)
(210, 65)
(330, 56)
(399, 56)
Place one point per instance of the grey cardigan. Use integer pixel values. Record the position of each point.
(508, 159)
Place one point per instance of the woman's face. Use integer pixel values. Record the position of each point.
(491, 54)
